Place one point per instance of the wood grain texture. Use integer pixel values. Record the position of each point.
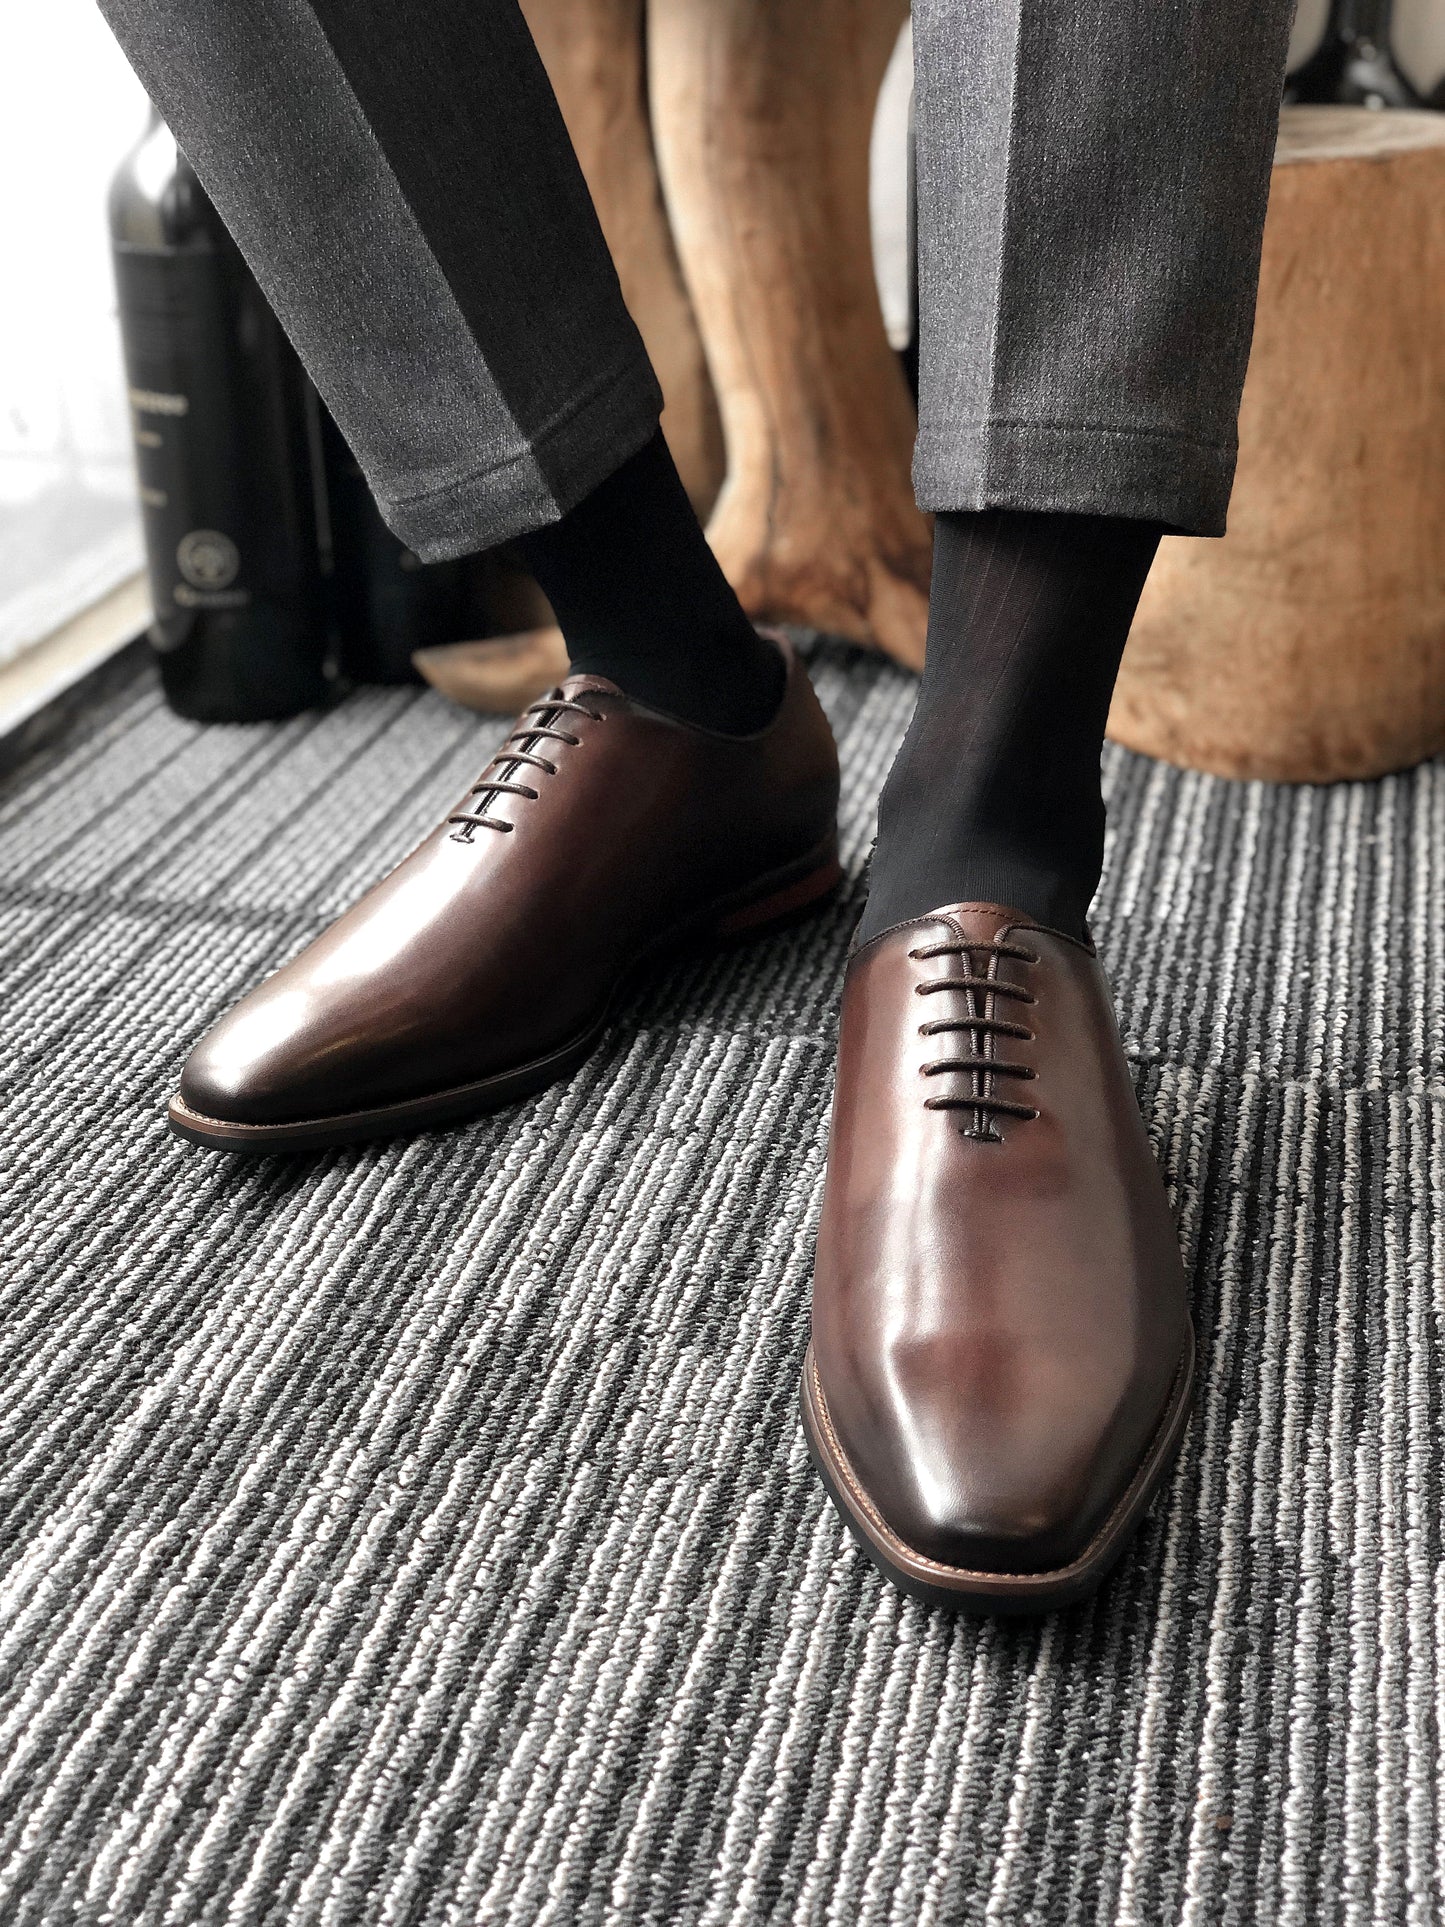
(1309, 644)
(497, 676)
(762, 115)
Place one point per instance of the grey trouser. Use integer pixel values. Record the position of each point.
(1092, 184)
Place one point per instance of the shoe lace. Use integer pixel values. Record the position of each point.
(508, 760)
(984, 1027)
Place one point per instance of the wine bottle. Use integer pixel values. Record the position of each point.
(386, 603)
(226, 434)
(1355, 64)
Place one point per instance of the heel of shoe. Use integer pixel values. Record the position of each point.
(784, 902)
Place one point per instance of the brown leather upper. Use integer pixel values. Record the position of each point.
(999, 1310)
(491, 946)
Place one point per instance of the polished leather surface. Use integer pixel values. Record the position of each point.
(488, 948)
(999, 1311)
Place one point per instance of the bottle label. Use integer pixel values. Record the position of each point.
(146, 401)
(177, 325)
(220, 411)
(208, 559)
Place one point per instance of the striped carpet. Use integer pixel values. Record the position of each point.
(422, 1534)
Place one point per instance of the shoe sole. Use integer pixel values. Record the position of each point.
(1000, 1593)
(769, 904)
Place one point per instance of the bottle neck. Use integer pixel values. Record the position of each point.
(1354, 65)
(1370, 20)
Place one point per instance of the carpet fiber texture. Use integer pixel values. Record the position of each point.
(422, 1533)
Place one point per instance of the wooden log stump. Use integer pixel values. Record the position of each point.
(1309, 644)
(761, 120)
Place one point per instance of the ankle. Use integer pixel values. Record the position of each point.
(731, 690)
(1051, 895)
(995, 795)
(640, 599)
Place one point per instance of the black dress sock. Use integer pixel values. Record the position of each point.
(641, 600)
(995, 796)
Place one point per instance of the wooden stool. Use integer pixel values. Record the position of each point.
(1309, 644)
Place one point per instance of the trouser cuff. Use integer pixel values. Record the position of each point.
(1069, 468)
(538, 481)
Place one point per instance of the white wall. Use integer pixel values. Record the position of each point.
(69, 108)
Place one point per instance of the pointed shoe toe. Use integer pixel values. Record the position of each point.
(266, 1070)
(233, 1080)
(991, 1525)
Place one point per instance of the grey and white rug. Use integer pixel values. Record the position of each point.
(422, 1534)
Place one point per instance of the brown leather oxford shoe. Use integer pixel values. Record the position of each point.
(600, 835)
(1002, 1356)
